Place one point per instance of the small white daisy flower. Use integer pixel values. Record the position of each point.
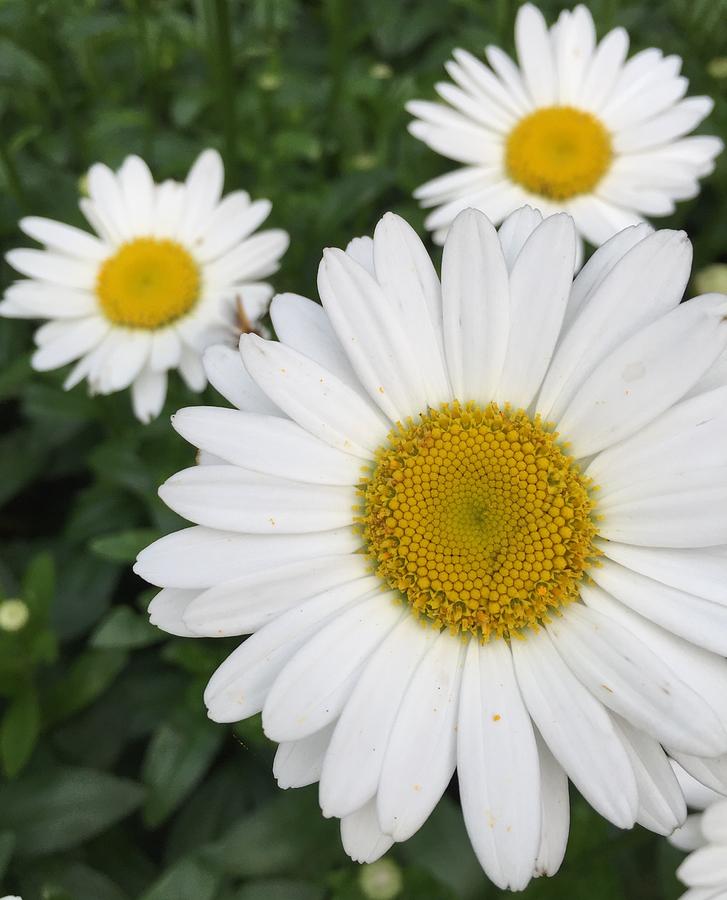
(477, 525)
(574, 128)
(704, 836)
(171, 269)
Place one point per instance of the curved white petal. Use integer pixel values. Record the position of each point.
(475, 300)
(167, 609)
(228, 375)
(299, 763)
(314, 686)
(498, 767)
(421, 754)
(577, 729)
(362, 837)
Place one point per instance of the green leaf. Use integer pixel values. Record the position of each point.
(178, 755)
(38, 584)
(19, 731)
(70, 879)
(271, 841)
(7, 845)
(63, 807)
(187, 880)
(89, 676)
(124, 546)
(83, 594)
(125, 629)
(281, 889)
(443, 848)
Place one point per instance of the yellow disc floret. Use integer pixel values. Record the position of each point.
(148, 283)
(479, 518)
(558, 152)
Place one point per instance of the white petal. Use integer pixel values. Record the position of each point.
(108, 201)
(199, 557)
(598, 219)
(691, 435)
(554, 812)
(475, 304)
(508, 89)
(252, 259)
(148, 393)
(126, 361)
(498, 767)
(314, 686)
(191, 369)
(303, 325)
(701, 571)
(362, 837)
(407, 277)
(574, 40)
(77, 338)
(237, 499)
(421, 753)
(228, 375)
(299, 763)
(714, 823)
(67, 271)
(266, 444)
(709, 771)
(700, 621)
(168, 209)
(234, 219)
(577, 729)
(604, 69)
(239, 686)
(638, 380)
(137, 187)
(41, 299)
(706, 867)
(689, 836)
(166, 349)
(661, 802)
(540, 284)
(353, 763)
(245, 604)
(681, 510)
(599, 266)
(656, 271)
(202, 191)
(535, 55)
(372, 336)
(64, 239)
(515, 231)
(314, 397)
(167, 608)
(361, 249)
(628, 678)
(680, 119)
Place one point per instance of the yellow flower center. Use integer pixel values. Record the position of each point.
(480, 518)
(148, 283)
(558, 152)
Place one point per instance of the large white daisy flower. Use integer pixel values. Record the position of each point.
(171, 269)
(574, 128)
(478, 525)
(704, 835)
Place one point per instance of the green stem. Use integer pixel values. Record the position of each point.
(220, 50)
(15, 186)
(149, 69)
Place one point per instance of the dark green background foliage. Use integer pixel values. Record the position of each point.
(114, 784)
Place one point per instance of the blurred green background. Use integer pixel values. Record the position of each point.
(114, 785)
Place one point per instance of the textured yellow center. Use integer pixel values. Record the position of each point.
(148, 283)
(558, 152)
(479, 518)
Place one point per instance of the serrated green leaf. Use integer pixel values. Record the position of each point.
(63, 807)
(19, 730)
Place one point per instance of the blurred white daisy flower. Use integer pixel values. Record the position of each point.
(575, 128)
(171, 269)
(704, 836)
(477, 525)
